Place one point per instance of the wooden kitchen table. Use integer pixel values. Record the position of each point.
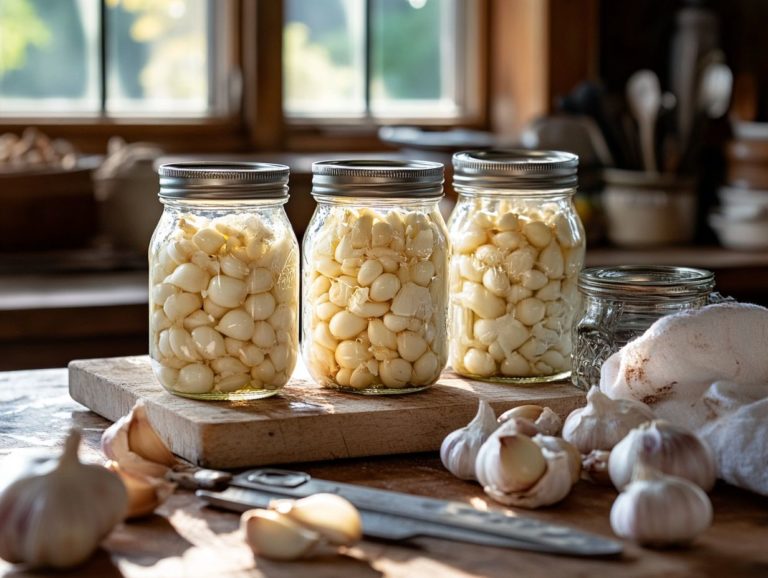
(187, 539)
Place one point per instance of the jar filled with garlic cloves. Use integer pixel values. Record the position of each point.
(224, 281)
(517, 249)
(374, 266)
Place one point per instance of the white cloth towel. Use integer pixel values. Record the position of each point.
(706, 369)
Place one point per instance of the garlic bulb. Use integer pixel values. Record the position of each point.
(546, 421)
(594, 467)
(517, 470)
(556, 444)
(667, 447)
(293, 529)
(603, 422)
(459, 448)
(660, 510)
(141, 459)
(54, 509)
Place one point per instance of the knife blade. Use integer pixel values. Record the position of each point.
(435, 516)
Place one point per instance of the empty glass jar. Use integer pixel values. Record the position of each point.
(516, 252)
(224, 281)
(620, 303)
(374, 265)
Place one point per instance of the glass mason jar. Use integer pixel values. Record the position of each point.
(516, 252)
(620, 303)
(224, 281)
(374, 302)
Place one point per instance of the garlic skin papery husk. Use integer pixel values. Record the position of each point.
(667, 447)
(458, 451)
(293, 529)
(55, 510)
(660, 510)
(517, 470)
(594, 467)
(603, 422)
(141, 459)
(546, 421)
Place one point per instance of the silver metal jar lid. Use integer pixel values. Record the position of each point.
(641, 282)
(223, 181)
(377, 178)
(516, 169)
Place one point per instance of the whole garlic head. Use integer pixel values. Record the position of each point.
(458, 451)
(142, 460)
(546, 421)
(660, 510)
(55, 510)
(667, 447)
(517, 470)
(603, 422)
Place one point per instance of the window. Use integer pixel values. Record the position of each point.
(107, 57)
(379, 59)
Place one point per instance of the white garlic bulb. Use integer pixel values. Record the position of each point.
(603, 422)
(141, 459)
(546, 421)
(293, 529)
(517, 470)
(55, 510)
(660, 510)
(459, 448)
(667, 447)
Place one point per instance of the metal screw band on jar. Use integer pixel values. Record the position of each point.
(223, 181)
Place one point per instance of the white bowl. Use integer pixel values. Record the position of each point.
(747, 234)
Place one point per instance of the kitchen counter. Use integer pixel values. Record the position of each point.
(186, 539)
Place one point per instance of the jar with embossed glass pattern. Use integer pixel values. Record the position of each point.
(619, 303)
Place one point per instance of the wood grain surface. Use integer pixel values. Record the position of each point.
(185, 539)
(305, 422)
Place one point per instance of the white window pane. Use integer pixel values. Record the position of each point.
(49, 57)
(414, 57)
(324, 58)
(158, 57)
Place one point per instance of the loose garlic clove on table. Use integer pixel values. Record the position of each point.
(375, 298)
(224, 306)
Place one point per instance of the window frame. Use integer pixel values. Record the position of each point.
(502, 98)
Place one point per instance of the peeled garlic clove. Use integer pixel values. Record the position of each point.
(594, 467)
(335, 519)
(54, 509)
(603, 422)
(547, 421)
(133, 443)
(667, 447)
(275, 536)
(659, 510)
(145, 493)
(459, 449)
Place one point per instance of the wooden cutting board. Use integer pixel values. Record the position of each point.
(304, 422)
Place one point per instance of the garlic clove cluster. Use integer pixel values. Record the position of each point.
(293, 529)
(142, 460)
(546, 421)
(667, 447)
(49, 519)
(660, 510)
(517, 470)
(459, 448)
(603, 422)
